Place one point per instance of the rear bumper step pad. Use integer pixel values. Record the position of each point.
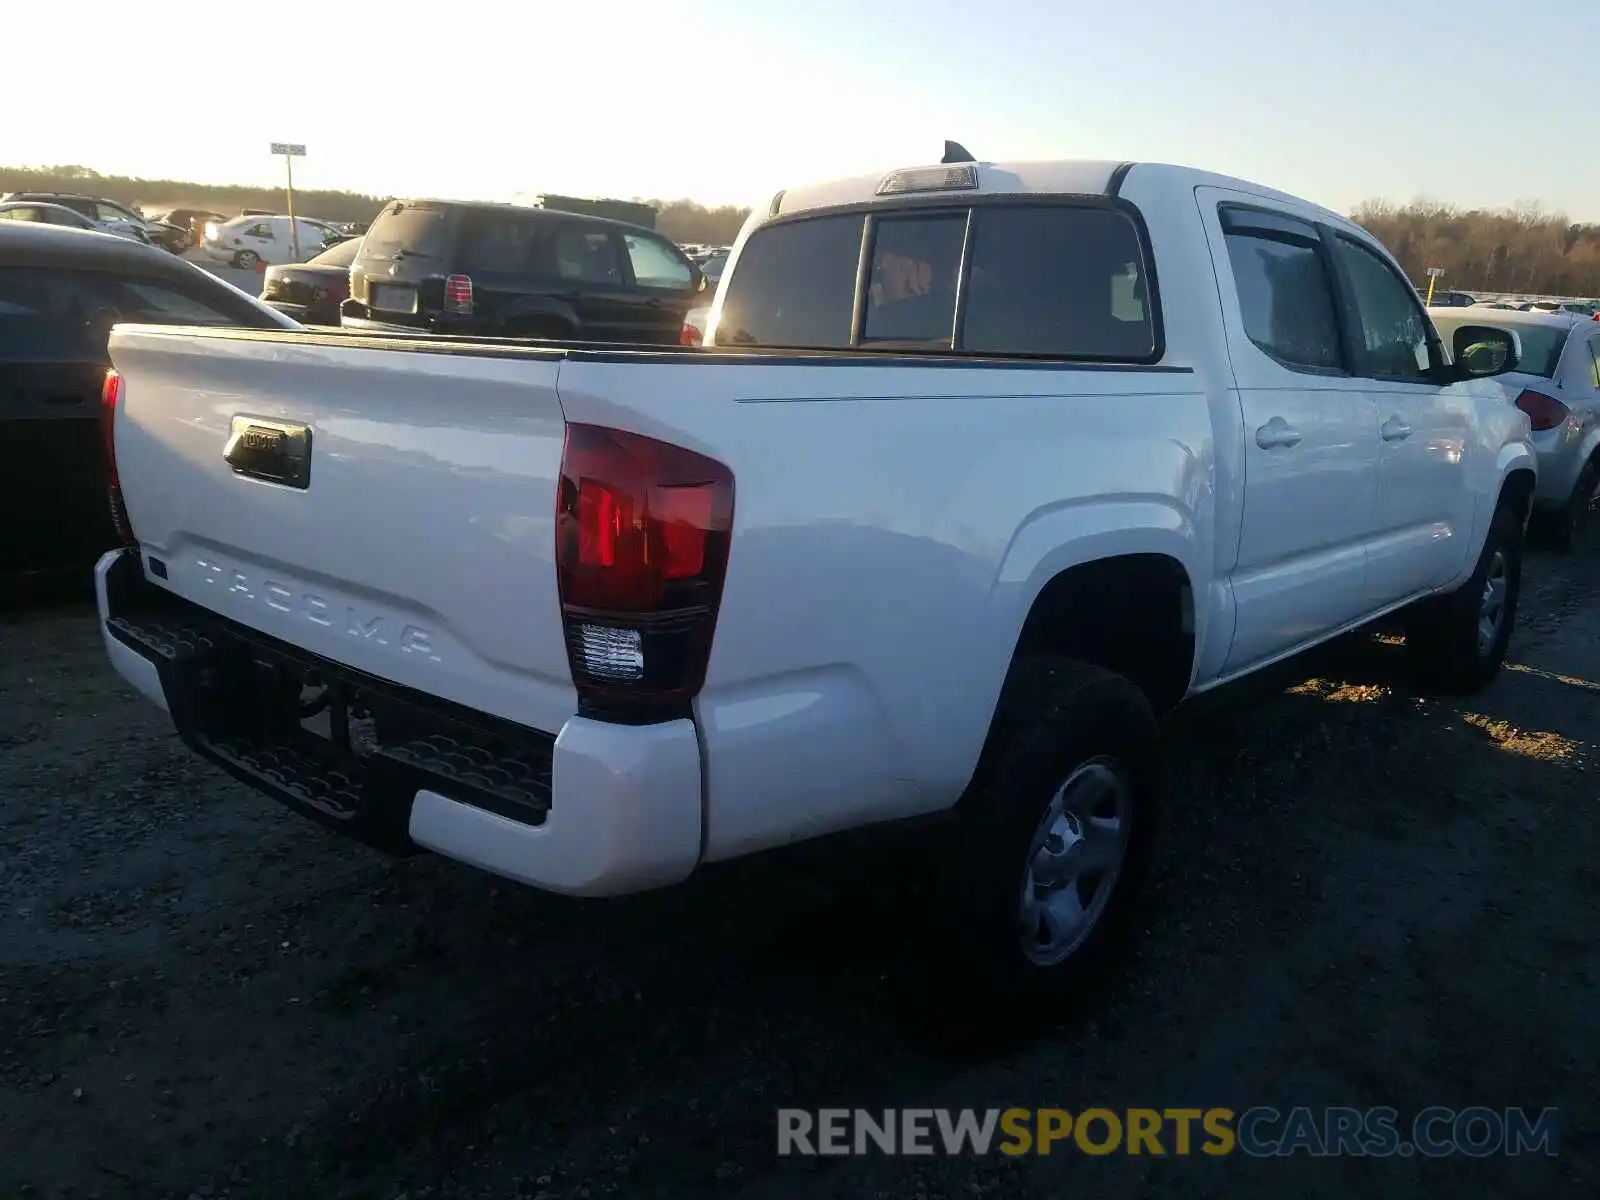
(237, 699)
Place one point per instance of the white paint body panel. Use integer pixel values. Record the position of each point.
(632, 822)
(424, 550)
(893, 525)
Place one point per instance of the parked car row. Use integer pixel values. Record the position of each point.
(1586, 308)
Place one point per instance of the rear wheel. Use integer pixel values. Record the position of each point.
(1457, 643)
(1563, 529)
(1052, 844)
(540, 327)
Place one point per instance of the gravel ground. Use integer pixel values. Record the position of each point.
(1365, 897)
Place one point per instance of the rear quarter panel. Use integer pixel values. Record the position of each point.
(892, 526)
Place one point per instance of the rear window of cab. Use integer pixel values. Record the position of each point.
(1049, 280)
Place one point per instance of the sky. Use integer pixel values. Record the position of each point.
(729, 102)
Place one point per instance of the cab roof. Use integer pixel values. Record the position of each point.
(1069, 177)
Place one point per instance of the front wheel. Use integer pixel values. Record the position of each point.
(247, 260)
(1458, 642)
(1052, 844)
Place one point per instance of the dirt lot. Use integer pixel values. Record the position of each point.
(1366, 898)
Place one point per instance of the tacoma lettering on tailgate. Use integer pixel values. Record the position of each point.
(365, 624)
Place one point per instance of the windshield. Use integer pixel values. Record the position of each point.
(1541, 344)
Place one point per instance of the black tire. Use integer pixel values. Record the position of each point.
(246, 260)
(1561, 529)
(548, 328)
(1058, 720)
(1443, 639)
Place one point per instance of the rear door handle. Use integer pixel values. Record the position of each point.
(1395, 430)
(1277, 433)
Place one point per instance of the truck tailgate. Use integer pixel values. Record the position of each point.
(420, 546)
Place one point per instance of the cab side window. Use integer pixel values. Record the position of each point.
(655, 265)
(1394, 339)
(260, 230)
(1286, 295)
(1594, 362)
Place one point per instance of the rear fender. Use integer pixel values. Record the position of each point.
(541, 308)
(1092, 530)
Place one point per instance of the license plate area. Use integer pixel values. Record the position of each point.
(394, 298)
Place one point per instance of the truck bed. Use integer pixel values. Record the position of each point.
(883, 505)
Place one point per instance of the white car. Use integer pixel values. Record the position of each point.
(256, 241)
(1557, 383)
(995, 464)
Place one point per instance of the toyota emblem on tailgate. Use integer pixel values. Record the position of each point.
(275, 451)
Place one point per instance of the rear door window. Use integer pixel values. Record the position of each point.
(495, 241)
(587, 254)
(1286, 295)
(911, 288)
(419, 229)
(157, 302)
(1057, 281)
(795, 286)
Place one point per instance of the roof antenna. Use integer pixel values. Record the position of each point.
(955, 152)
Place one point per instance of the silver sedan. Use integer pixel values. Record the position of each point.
(1557, 383)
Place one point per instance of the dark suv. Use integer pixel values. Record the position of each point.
(503, 270)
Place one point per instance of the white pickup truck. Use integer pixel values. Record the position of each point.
(984, 468)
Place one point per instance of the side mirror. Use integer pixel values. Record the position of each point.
(1480, 351)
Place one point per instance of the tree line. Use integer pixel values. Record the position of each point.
(684, 221)
(1521, 249)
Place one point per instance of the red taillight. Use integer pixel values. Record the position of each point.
(689, 336)
(1544, 412)
(110, 403)
(642, 535)
(458, 294)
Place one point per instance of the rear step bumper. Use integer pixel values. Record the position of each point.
(599, 810)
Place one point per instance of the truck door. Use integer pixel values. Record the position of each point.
(1310, 429)
(1424, 516)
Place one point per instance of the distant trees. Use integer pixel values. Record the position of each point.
(1520, 249)
(686, 222)
(154, 195)
(681, 220)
